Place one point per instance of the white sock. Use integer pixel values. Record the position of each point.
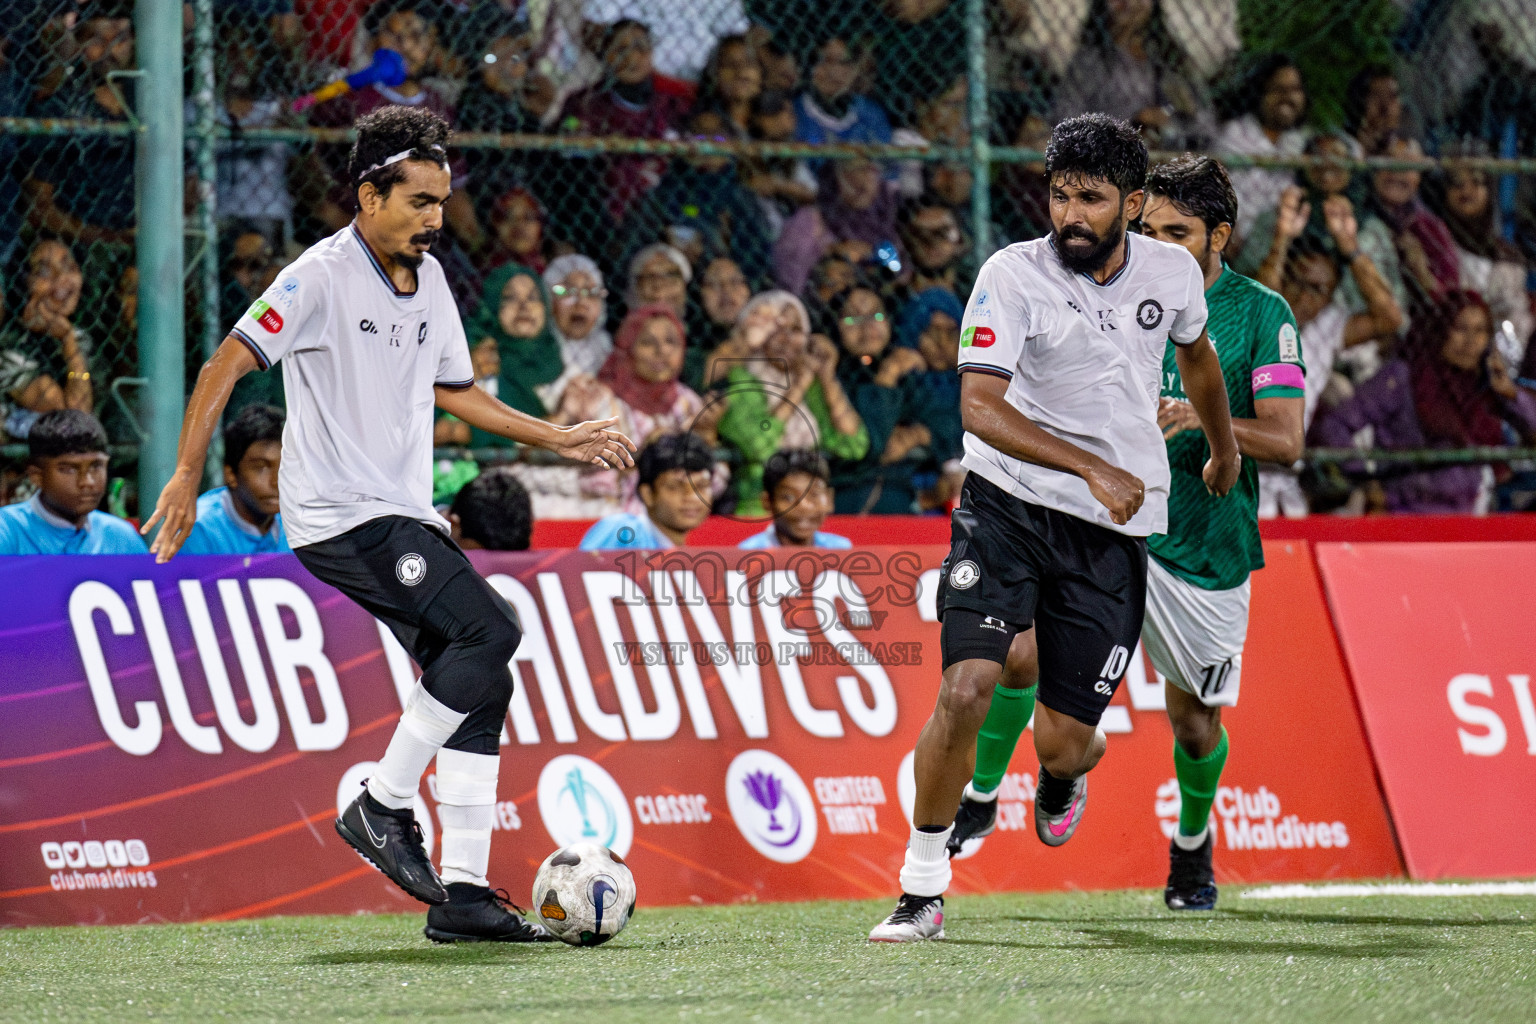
(1193, 842)
(425, 725)
(466, 789)
(926, 870)
(981, 796)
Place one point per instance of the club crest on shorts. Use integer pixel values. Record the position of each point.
(964, 575)
(411, 569)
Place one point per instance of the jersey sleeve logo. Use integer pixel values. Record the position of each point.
(1149, 314)
(1290, 348)
(977, 337)
(269, 318)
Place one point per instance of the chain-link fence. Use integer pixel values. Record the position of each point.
(688, 154)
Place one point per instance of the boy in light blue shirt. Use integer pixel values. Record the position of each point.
(675, 476)
(241, 518)
(67, 463)
(797, 491)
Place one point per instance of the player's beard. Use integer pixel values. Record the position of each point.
(1080, 262)
(414, 260)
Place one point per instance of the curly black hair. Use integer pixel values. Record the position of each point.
(390, 130)
(65, 432)
(252, 424)
(1197, 186)
(1098, 147)
(495, 511)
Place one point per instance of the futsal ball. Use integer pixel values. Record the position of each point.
(584, 894)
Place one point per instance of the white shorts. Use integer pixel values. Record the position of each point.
(1195, 636)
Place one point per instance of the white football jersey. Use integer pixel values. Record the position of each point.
(360, 361)
(1084, 362)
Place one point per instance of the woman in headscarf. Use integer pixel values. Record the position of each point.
(856, 208)
(514, 318)
(713, 305)
(517, 221)
(1491, 266)
(659, 274)
(580, 304)
(1450, 389)
(781, 391)
(880, 380)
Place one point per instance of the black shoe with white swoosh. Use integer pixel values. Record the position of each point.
(391, 841)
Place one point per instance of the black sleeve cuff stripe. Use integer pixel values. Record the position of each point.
(261, 357)
(458, 385)
(996, 371)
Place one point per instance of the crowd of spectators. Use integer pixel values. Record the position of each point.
(773, 306)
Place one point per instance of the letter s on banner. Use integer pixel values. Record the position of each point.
(290, 653)
(1490, 743)
(878, 718)
(86, 599)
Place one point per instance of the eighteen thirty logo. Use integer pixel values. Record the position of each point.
(771, 806)
(977, 337)
(581, 803)
(269, 318)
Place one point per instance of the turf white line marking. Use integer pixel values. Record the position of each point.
(1292, 892)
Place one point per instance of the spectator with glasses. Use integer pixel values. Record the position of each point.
(659, 275)
(581, 315)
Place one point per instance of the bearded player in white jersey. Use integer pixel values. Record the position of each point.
(370, 343)
(1061, 356)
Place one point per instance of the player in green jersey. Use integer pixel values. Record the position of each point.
(1197, 581)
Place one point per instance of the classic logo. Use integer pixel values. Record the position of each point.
(771, 806)
(1290, 348)
(977, 337)
(1149, 314)
(411, 569)
(265, 315)
(964, 575)
(581, 803)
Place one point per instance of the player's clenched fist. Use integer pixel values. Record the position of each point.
(1221, 474)
(1120, 492)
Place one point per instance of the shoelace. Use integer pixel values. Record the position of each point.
(910, 908)
(504, 899)
(415, 837)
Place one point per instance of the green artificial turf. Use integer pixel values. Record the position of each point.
(1061, 958)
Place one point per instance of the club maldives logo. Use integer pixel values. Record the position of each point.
(771, 806)
(581, 803)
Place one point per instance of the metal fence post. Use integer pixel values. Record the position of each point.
(981, 145)
(205, 129)
(159, 184)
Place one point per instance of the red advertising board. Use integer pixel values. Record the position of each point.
(1441, 642)
(738, 724)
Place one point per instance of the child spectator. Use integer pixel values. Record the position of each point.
(830, 110)
(732, 80)
(492, 512)
(1450, 389)
(782, 184)
(67, 464)
(674, 484)
(797, 491)
(242, 518)
(782, 391)
(1271, 125)
(44, 358)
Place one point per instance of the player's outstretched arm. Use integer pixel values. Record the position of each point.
(176, 510)
(987, 413)
(1200, 369)
(593, 441)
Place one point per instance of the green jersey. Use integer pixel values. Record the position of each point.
(1214, 542)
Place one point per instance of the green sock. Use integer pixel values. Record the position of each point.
(1197, 784)
(1006, 719)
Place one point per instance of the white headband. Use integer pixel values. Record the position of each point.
(435, 150)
